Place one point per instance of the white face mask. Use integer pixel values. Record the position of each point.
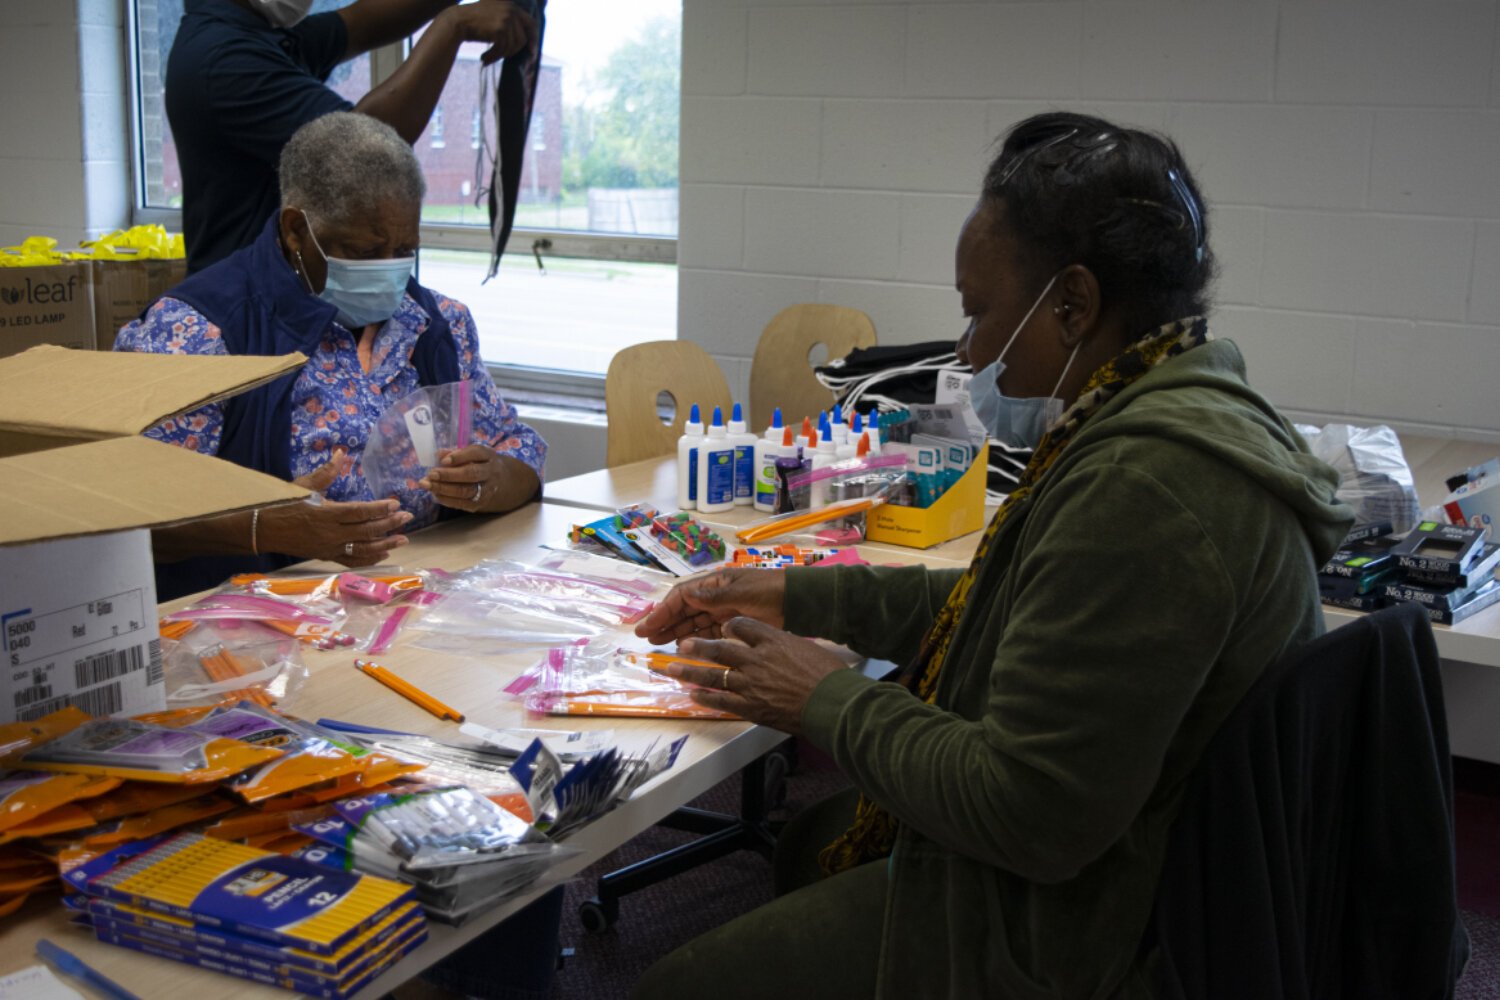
(283, 13)
(1017, 422)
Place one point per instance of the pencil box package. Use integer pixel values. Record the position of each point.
(222, 885)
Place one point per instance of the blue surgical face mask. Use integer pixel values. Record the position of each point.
(1017, 422)
(363, 291)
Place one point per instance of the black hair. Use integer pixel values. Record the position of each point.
(1080, 190)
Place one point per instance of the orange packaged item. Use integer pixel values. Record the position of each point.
(11, 905)
(18, 737)
(306, 759)
(134, 797)
(63, 819)
(158, 821)
(124, 748)
(25, 795)
(248, 822)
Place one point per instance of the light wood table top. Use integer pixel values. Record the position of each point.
(470, 683)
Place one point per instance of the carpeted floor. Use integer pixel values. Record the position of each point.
(655, 921)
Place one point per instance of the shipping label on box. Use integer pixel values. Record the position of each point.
(47, 304)
(78, 620)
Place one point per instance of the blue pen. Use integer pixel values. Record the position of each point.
(71, 965)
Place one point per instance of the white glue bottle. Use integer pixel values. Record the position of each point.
(872, 428)
(766, 451)
(716, 468)
(839, 428)
(773, 433)
(687, 461)
(825, 455)
(744, 444)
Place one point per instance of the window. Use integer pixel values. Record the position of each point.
(158, 180)
(598, 204)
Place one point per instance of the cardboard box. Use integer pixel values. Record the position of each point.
(125, 287)
(47, 304)
(957, 512)
(79, 489)
(1476, 504)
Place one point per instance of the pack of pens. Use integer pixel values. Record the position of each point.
(458, 850)
(251, 913)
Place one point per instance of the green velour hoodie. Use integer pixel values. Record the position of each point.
(1165, 560)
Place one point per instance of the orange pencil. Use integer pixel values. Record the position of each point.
(795, 522)
(408, 691)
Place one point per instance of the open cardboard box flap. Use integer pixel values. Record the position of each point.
(52, 396)
(128, 482)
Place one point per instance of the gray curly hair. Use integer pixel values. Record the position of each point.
(340, 167)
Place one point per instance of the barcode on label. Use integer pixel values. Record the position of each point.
(105, 700)
(154, 673)
(41, 708)
(107, 666)
(31, 695)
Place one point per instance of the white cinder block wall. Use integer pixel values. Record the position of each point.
(1350, 152)
(64, 170)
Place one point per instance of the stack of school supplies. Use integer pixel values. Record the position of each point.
(249, 913)
(1355, 576)
(459, 851)
(1450, 570)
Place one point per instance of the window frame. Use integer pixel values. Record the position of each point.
(557, 387)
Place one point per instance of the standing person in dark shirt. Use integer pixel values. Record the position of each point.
(243, 75)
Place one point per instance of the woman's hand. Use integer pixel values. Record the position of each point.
(477, 478)
(703, 605)
(770, 677)
(352, 534)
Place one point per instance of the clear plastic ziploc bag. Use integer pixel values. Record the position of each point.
(597, 679)
(410, 435)
(219, 660)
(847, 490)
(502, 603)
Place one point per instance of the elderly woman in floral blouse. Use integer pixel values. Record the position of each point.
(330, 276)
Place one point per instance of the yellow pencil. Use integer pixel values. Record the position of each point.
(407, 690)
(788, 523)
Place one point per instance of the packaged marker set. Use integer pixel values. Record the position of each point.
(410, 436)
(676, 544)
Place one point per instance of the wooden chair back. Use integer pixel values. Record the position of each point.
(637, 375)
(781, 374)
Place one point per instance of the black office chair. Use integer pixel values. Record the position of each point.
(1313, 858)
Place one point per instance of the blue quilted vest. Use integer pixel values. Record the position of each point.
(262, 308)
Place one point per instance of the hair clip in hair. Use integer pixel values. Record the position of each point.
(1179, 186)
(1015, 164)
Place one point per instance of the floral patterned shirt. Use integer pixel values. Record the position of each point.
(334, 401)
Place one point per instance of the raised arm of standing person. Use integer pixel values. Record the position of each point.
(405, 100)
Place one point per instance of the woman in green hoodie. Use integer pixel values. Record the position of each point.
(1016, 782)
